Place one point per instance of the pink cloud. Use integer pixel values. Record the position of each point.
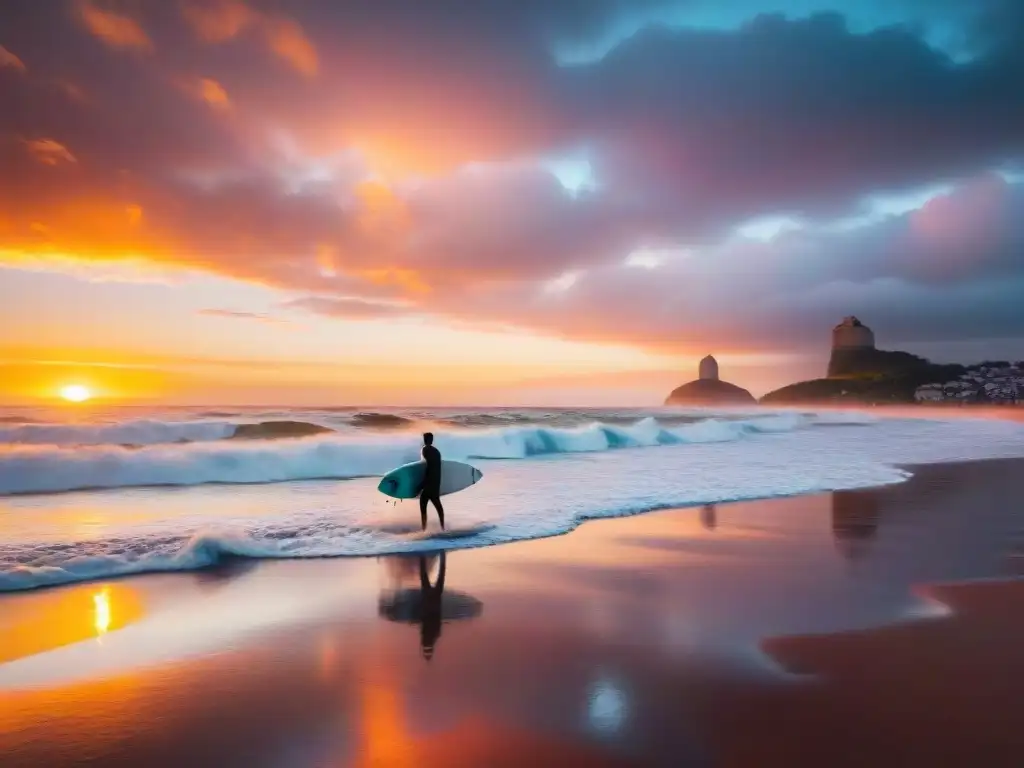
(9, 60)
(114, 29)
(219, 21)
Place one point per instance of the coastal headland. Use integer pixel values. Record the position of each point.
(859, 373)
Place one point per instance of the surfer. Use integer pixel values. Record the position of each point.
(431, 489)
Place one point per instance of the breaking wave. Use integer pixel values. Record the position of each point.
(276, 430)
(53, 468)
(557, 509)
(380, 421)
(152, 432)
(600, 470)
(142, 432)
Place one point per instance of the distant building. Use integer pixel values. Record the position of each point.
(854, 353)
(708, 368)
(852, 334)
(987, 384)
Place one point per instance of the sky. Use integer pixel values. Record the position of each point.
(563, 202)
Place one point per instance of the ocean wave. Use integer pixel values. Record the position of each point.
(146, 432)
(141, 432)
(214, 425)
(844, 419)
(602, 471)
(559, 418)
(51, 468)
(380, 421)
(277, 430)
(36, 567)
(13, 419)
(30, 566)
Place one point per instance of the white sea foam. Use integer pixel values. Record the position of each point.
(48, 468)
(114, 429)
(538, 482)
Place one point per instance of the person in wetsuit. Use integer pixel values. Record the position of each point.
(431, 490)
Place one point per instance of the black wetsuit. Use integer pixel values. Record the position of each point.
(431, 490)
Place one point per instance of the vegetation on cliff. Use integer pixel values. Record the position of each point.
(868, 388)
(863, 362)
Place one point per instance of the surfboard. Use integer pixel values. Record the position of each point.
(404, 482)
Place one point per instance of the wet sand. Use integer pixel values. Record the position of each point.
(845, 629)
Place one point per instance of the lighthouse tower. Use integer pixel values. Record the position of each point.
(708, 369)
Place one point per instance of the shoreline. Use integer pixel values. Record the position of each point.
(627, 642)
(222, 558)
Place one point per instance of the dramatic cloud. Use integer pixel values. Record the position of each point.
(288, 41)
(784, 294)
(442, 159)
(49, 152)
(217, 21)
(208, 90)
(112, 28)
(9, 60)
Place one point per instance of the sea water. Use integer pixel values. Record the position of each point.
(129, 490)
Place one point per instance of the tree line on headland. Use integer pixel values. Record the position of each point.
(877, 377)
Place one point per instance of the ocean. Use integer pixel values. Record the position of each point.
(116, 491)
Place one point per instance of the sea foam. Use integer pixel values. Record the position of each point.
(538, 482)
(47, 468)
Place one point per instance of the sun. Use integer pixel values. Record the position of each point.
(75, 393)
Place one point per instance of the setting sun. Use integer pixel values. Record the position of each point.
(75, 393)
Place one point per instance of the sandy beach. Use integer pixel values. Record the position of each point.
(821, 630)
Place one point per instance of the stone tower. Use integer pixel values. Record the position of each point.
(708, 369)
(852, 334)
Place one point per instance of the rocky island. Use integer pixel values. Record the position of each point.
(709, 389)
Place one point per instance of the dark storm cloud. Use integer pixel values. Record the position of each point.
(798, 117)
(207, 133)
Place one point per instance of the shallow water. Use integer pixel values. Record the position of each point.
(225, 498)
(638, 638)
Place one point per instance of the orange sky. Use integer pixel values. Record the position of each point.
(249, 202)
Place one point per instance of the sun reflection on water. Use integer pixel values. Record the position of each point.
(101, 611)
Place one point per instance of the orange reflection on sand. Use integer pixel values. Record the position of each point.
(385, 738)
(387, 741)
(39, 622)
(327, 657)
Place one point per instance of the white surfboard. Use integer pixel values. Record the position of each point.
(404, 482)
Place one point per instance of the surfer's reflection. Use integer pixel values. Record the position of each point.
(709, 517)
(427, 606)
(430, 599)
(854, 521)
